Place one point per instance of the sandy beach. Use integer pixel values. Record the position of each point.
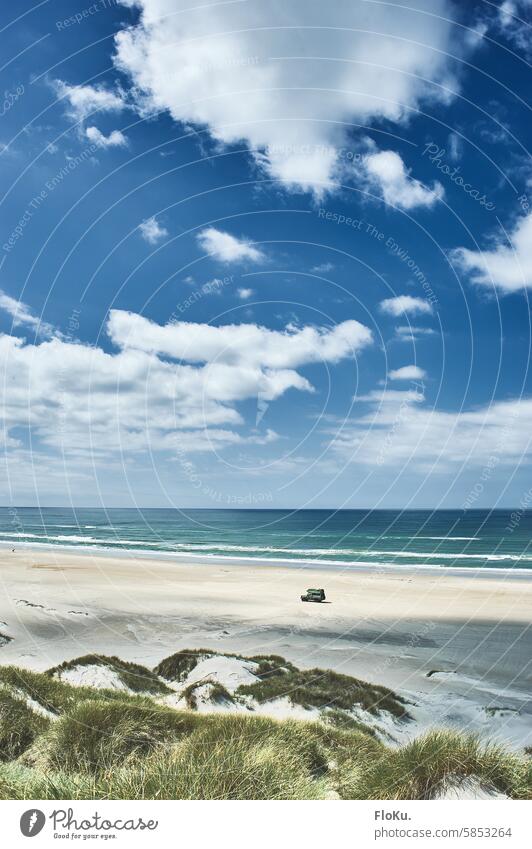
(457, 646)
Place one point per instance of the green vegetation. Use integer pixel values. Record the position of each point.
(323, 688)
(137, 678)
(105, 744)
(100, 734)
(419, 769)
(179, 665)
(217, 693)
(19, 726)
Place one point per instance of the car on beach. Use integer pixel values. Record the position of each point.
(314, 595)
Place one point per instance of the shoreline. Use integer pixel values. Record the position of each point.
(514, 572)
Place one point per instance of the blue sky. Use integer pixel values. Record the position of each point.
(266, 254)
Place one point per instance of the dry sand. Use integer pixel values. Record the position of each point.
(458, 646)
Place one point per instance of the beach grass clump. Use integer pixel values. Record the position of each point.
(19, 725)
(230, 757)
(178, 666)
(53, 695)
(428, 765)
(323, 688)
(214, 691)
(18, 781)
(137, 678)
(271, 665)
(99, 734)
(342, 719)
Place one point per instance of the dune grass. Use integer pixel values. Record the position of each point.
(19, 726)
(101, 734)
(217, 694)
(120, 746)
(323, 688)
(179, 665)
(427, 765)
(137, 678)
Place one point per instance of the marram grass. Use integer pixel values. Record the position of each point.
(108, 745)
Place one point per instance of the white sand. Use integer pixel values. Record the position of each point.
(93, 675)
(390, 626)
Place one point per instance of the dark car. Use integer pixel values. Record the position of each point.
(313, 595)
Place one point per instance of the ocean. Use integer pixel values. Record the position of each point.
(476, 539)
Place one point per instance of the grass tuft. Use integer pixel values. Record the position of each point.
(100, 734)
(19, 726)
(136, 678)
(323, 688)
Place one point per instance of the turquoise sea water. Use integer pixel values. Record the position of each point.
(445, 538)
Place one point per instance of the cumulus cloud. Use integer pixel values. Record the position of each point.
(245, 294)
(248, 71)
(248, 344)
(114, 139)
(387, 170)
(407, 373)
(151, 231)
(228, 248)
(401, 430)
(22, 315)
(177, 386)
(508, 266)
(405, 305)
(84, 100)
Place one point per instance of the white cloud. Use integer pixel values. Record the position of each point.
(245, 294)
(514, 22)
(401, 431)
(114, 139)
(323, 268)
(405, 305)
(151, 231)
(248, 71)
(84, 100)
(248, 344)
(411, 332)
(507, 266)
(407, 373)
(228, 248)
(398, 188)
(166, 388)
(22, 315)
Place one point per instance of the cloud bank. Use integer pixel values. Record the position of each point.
(288, 79)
